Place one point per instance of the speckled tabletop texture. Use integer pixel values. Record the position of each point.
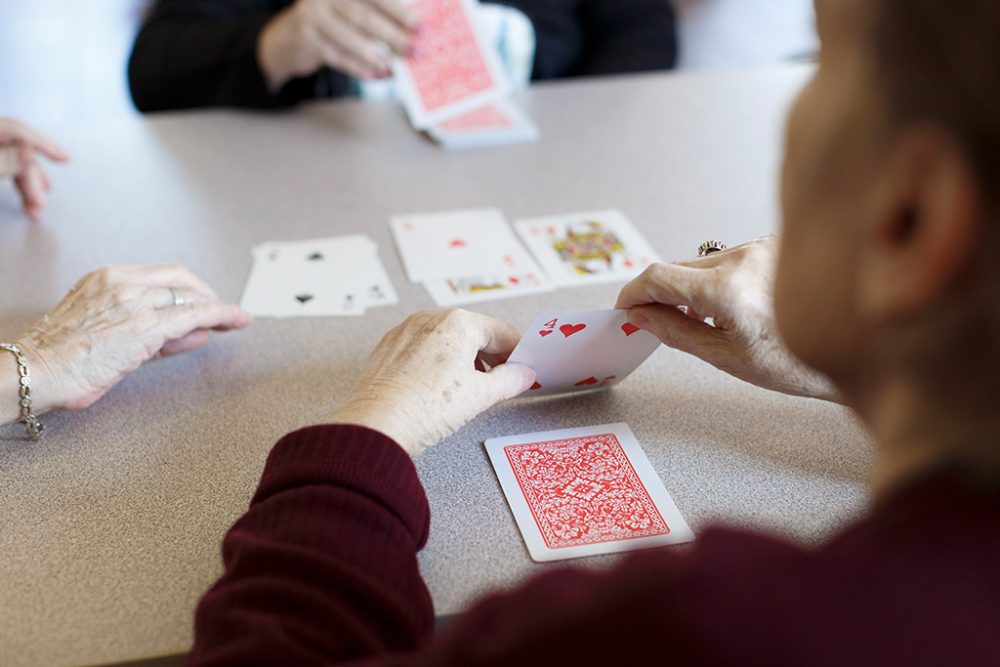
(111, 526)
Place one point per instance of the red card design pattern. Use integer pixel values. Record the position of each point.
(449, 66)
(488, 117)
(584, 491)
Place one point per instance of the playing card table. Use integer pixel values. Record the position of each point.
(112, 524)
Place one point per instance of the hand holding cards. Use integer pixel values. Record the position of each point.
(453, 84)
(582, 351)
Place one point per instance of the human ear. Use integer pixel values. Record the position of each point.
(925, 230)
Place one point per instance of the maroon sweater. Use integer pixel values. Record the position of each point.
(322, 570)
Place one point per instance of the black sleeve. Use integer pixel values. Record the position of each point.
(199, 53)
(558, 35)
(627, 36)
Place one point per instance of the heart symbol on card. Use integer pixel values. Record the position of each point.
(304, 298)
(570, 329)
(629, 329)
(544, 332)
(535, 386)
(457, 243)
(589, 381)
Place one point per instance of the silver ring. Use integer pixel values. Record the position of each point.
(178, 299)
(708, 247)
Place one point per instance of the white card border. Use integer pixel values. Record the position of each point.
(679, 533)
(556, 268)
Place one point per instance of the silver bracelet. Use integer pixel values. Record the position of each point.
(28, 418)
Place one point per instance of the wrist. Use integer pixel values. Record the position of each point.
(376, 415)
(10, 409)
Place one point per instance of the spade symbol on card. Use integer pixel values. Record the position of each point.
(376, 292)
(568, 330)
(315, 257)
(304, 298)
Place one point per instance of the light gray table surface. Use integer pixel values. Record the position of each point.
(110, 527)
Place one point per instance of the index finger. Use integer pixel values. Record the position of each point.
(492, 338)
(15, 130)
(671, 285)
(398, 12)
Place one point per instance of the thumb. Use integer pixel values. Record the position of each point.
(507, 381)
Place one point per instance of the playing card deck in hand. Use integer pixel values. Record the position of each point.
(318, 277)
(451, 70)
(586, 248)
(465, 256)
(582, 350)
(585, 491)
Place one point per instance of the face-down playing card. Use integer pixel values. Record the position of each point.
(585, 491)
(318, 277)
(586, 248)
(452, 69)
(582, 350)
(496, 123)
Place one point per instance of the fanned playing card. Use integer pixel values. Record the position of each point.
(572, 351)
(585, 491)
(587, 248)
(452, 69)
(318, 277)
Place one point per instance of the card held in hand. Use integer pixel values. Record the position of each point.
(585, 491)
(452, 69)
(584, 350)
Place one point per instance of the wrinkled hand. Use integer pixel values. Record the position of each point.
(735, 289)
(356, 37)
(20, 147)
(113, 320)
(432, 374)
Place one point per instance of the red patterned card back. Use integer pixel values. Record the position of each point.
(584, 491)
(449, 66)
(488, 117)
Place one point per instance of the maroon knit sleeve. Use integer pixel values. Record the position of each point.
(322, 568)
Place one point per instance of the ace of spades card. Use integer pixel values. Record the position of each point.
(582, 350)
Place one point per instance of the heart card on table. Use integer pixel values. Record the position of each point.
(466, 256)
(585, 491)
(582, 350)
(452, 70)
(586, 248)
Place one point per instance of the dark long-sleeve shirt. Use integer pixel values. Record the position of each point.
(198, 53)
(322, 570)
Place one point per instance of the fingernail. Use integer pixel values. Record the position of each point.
(637, 319)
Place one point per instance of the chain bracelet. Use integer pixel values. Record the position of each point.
(35, 428)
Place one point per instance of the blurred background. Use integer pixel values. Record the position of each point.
(64, 60)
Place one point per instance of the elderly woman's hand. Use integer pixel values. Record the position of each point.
(734, 288)
(432, 374)
(20, 147)
(111, 322)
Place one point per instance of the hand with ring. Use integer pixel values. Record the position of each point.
(114, 320)
(735, 289)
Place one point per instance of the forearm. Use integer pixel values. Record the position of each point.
(322, 568)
